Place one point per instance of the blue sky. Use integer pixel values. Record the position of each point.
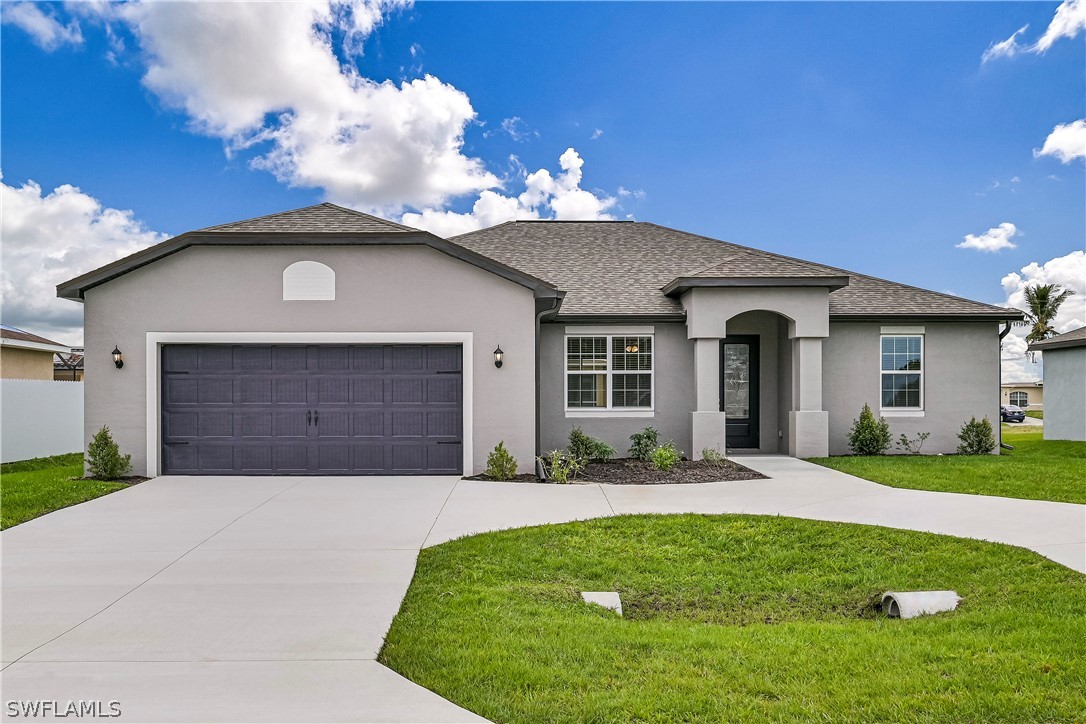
(869, 136)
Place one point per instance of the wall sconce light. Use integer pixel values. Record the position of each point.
(118, 358)
(499, 357)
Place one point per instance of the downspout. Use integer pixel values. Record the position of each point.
(999, 424)
(540, 473)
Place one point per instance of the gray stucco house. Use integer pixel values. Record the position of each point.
(1064, 374)
(326, 341)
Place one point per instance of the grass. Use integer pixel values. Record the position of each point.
(739, 618)
(1037, 469)
(32, 488)
(1039, 414)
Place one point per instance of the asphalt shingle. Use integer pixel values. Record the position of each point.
(322, 218)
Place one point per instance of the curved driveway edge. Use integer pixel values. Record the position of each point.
(267, 599)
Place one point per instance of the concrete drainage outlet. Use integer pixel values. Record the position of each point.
(910, 604)
(607, 599)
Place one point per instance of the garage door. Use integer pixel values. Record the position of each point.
(312, 409)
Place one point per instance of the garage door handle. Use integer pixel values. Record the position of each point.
(308, 418)
(316, 417)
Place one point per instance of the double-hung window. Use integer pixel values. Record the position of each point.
(609, 372)
(1020, 399)
(902, 372)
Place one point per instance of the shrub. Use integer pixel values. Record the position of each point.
(712, 456)
(869, 436)
(586, 448)
(977, 437)
(104, 459)
(560, 466)
(500, 464)
(643, 443)
(912, 447)
(666, 456)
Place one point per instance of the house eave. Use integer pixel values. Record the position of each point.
(914, 318)
(681, 285)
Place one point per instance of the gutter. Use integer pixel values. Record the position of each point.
(1003, 333)
(540, 313)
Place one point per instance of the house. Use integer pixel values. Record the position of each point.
(1064, 373)
(327, 341)
(1027, 395)
(68, 367)
(26, 356)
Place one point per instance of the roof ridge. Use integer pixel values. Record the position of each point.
(258, 218)
(356, 212)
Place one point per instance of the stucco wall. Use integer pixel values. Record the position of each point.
(675, 396)
(961, 379)
(25, 364)
(1065, 380)
(378, 289)
(1035, 395)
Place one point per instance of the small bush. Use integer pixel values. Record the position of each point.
(977, 437)
(666, 456)
(500, 464)
(869, 436)
(104, 459)
(712, 456)
(586, 448)
(560, 466)
(643, 443)
(912, 447)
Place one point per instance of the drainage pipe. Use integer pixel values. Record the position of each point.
(540, 313)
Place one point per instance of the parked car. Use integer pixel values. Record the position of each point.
(1011, 413)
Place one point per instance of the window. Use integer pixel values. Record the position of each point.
(309, 280)
(1020, 399)
(903, 372)
(609, 372)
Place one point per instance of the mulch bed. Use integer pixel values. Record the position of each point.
(631, 471)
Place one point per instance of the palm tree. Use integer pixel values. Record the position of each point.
(1044, 302)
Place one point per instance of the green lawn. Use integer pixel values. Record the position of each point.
(35, 487)
(1039, 414)
(739, 618)
(1036, 469)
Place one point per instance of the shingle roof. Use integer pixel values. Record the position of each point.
(19, 335)
(321, 218)
(1074, 338)
(619, 268)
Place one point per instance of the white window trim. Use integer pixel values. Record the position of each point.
(609, 411)
(904, 411)
(155, 340)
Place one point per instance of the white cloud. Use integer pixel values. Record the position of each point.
(265, 77)
(996, 238)
(1005, 48)
(544, 196)
(1069, 272)
(596, 134)
(1066, 142)
(50, 239)
(515, 128)
(1068, 22)
(43, 27)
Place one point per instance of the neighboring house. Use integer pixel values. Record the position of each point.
(326, 341)
(68, 367)
(1027, 395)
(1064, 372)
(26, 356)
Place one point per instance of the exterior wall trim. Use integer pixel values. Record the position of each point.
(607, 329)
(156, 339)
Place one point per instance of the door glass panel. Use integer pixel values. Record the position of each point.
(737, 380)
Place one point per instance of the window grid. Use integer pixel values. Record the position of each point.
(902, 372)
(609, 372)
(1020, 399)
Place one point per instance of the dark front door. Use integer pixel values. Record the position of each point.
(739, 390)
(312, 409)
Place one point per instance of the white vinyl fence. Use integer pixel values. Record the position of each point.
(40, 418)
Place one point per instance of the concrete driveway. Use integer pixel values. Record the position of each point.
(266, 599)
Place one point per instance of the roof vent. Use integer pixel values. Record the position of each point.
(309, 280)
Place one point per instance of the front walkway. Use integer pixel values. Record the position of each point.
(266, 599)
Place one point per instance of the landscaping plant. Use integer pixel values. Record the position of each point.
(586, 448)
(666, 456)
(977, 437)
(912, 447)
(643, 443)
(869, 436)
(560, 466)
(104, 459)
(712, 456)
(500, 464)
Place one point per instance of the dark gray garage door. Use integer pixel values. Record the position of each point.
(312, 409)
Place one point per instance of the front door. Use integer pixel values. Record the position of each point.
(739, 390)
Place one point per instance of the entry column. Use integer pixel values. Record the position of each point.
(808, 423)
(707, 419)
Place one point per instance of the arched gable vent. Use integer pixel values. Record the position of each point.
(309, 280)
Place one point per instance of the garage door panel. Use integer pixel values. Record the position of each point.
(317, 409)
